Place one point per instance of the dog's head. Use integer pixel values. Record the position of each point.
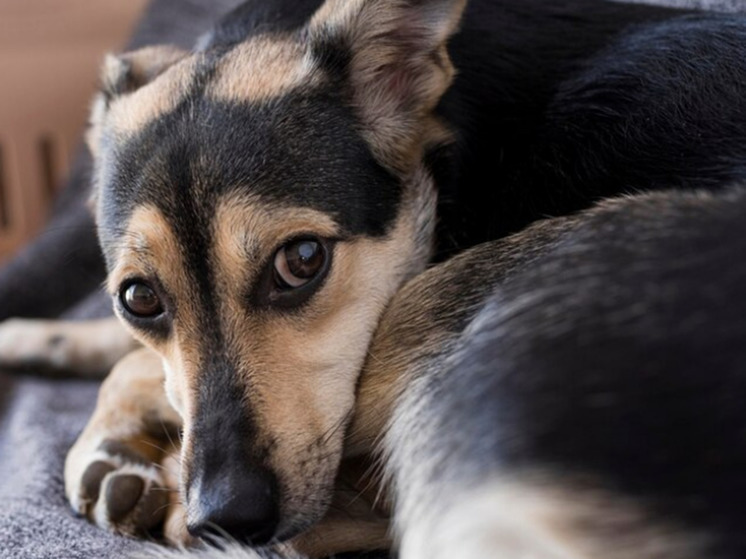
(258, 205)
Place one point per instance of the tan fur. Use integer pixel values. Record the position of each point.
(398, 346)
(356, 518)
(135, 391)
(123, 74)
(306, 363)
(132, 391)
(245, 230)
(262, 68)
(540, 515)
(298, 371)
(132, 70)
(151, 248)
(341, 531)
(130, 112)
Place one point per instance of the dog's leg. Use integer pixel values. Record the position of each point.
(87, 348)
(358, 519)
(350, 524)
(122, 473)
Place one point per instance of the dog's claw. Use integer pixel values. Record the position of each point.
(126, 495)
(122, 494)
(91, 483)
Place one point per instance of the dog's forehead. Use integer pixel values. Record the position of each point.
(255, 120)
(263, 68)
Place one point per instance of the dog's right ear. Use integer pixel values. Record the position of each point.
(120, 75)
(392, 57)
(125, 73)
(130, 71)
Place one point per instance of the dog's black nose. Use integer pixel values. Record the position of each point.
(242, 505)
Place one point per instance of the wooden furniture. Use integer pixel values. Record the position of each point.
(50, 51)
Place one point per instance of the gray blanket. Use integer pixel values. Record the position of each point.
(40, 419)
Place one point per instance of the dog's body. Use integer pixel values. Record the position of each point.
(587, 403)
(262, 200)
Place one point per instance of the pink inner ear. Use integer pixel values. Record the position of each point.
(415, 41)
(398, 82)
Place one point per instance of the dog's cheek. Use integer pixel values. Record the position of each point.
(175, 389)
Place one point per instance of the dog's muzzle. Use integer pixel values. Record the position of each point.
(230, 491)
(241, 504)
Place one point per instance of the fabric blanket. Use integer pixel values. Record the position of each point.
(40, 418)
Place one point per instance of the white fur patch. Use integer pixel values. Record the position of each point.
(539, 518)
(231, 551)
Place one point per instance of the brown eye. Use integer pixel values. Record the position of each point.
(140, 300)
(298, 262)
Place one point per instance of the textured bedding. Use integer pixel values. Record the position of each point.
(40, 418)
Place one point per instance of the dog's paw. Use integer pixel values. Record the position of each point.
(118, 488)
(31, 343)
(48, 346)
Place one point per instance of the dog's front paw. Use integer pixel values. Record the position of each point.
(118, 487)
(123, 471)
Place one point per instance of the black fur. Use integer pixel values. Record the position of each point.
(559, 103)
(619, 355)
(619, 352)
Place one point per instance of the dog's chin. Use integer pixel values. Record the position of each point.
(316, 502)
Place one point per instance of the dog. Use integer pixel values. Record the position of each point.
(262, 200)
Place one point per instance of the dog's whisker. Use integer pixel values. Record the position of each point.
(168, 433)
(159, 509)
(335, 428)
(153, 445)
(164, 489)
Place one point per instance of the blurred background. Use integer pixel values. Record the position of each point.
(50, 52)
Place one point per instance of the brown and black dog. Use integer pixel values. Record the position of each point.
(262, 200)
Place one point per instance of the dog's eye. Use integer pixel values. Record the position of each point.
(140, 300)
(294, 273)
(298, 262)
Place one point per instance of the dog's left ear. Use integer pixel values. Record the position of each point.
(392, 56)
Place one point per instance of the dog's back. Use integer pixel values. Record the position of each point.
(593, 406)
